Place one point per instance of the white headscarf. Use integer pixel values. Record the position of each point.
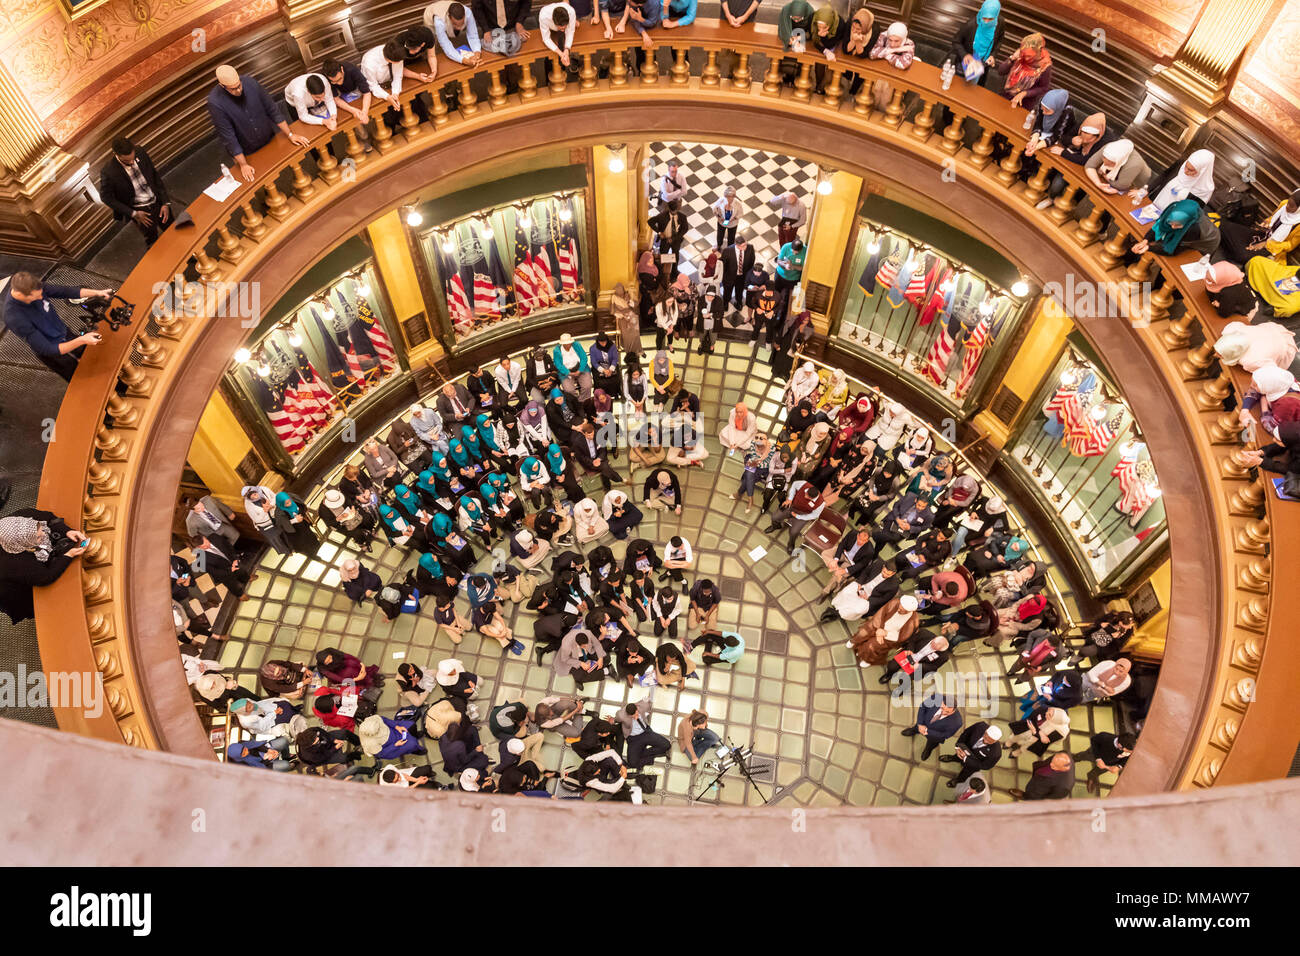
(1273, 382)
(1200, 185)
(1117, 154)
(804, 381)
(1282, 223)
(612, 498)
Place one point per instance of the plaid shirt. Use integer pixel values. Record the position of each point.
(144, 196)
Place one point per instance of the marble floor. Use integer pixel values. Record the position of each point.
(827, 729)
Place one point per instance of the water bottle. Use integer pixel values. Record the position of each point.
(948, 71)
(1029, 119)
(225, 171)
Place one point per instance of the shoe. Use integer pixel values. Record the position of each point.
(862, 663)
(537, 654)
(516, 648)
(1017, 794)
(848, 643)
(1044, 203)
(951, 783)
(908, 732)
(948, 758)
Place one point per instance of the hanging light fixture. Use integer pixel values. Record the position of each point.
(295, 339)
(824, 185)
(566, 213)
(485, 227)
(363, 287)
(447, 245)
(874, 245)
(1020, 288)
(412, 216)
(525, 219)
(242, 355)
(616, 161)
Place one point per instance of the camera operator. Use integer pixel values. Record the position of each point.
(28, 315)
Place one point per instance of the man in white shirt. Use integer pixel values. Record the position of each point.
(509, 375)
(380, 65)
(457, 32)
(673, 185)
(677, 557)
(309, 95)
(556, 22)
(793, 216)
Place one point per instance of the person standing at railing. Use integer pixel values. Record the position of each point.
(739, 12)
(348, 86)
(501, 24)
(644, 15)
(1028, 72)
(557, 22)
(383, 64)
(457, 32)
(245, 117)
(975, 43)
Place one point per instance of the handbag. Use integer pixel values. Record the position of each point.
(673, 387)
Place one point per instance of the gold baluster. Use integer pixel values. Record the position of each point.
(556, 74)
(1225, 429)
(103, 479)
(1196, 362)
(681, 69)
(1255, 575)
(277, 206)
(111, 446)
(1089, 228)
(232, 250)
(468, 101)
(982, 152)
(303, 187)
(496, 89)
(1212, 396)
(97, 553)
(711, 75)
(650, 71)
(1112, 253)
(1144, 268)
(152, 355)
(618, 69)
(1009, 168)
(1179, 333)
(96, 515)
(834, 91)
(772, 78)
(326, 165)
(923, 122)
(209, 269)
(95, 587)
(1160, 301)
(740, 78)
(1236, 465)
(440, 115)
(863, 100)
(588, 75)
(1063, 206)
(894, 111)
(803, 83)
(528, 82)
(952, 133)
(352, 146)
(1036, 187)
(382, 137)
(138, 385)
(254, 226)
(125, 415)
(1254, 536)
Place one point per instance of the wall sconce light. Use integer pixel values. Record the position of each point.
(1020, 288)
(363, 287)
(242, 355)
(874, 245)
(263, 369)
(295, 340)
(525, 218)
(616, 161)
(566, 214)
(328, 311)
(485, 228)
(824, 181)
(412, 217)
(986, 308)
(447, 245)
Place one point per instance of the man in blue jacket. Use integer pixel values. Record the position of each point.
(28, 315)
(936, 721)
(245, 117)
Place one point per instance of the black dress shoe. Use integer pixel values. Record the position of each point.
(908, 732)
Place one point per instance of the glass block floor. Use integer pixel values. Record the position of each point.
(797, 696)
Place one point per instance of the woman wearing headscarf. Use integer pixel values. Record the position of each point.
(878, 637)
(408, 503)
(1192, 178)
(1183, 225)
(789, 340)
(804, 383)
(434, 577)
(888, 428)
(574, 369)
(975, 44)
(1028, 72)
(1276, 235)
(648, 280)
(295, 524)
(535, 481)
(740, 429)
(1276, 284)
(473, 519)
(562, 416)
(644, 447)
(876, 492)
(916, 448)
(259, 503)
(824, 38)
(534, 429)
(453, 550)
(834, 386)
(1053, 122)
(563, 474)
(336, 667)
(588, 523)
(359, 582)
(463, 463)
(1115, 168)
(605, 369)
(1273, 393)
(662, 376)
(857, 44)
(348, 519)
(36, 547)
(813, 446)
(1228, 291)
(504, 507)
(895, 47)
(795, 20)
(493, 441)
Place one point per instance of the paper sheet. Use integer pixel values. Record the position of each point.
(1196, 270)
(758, 554)
(1148, 213)
(222, 188)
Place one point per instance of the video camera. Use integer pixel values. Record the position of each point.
(101, 309)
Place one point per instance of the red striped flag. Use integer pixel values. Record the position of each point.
(354, 368)
(525, 287)
(462, 316)
(568, 253)
(976, 343)
(485, 297)
(936, 363)
(1093, 436)
(545, 275)
(282, 423)
(378, 337)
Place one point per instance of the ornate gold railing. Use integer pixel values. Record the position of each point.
(98, 620)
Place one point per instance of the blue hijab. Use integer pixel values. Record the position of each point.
(555, 458)
(1054, 100)
(472, 443)
(471, 508)
(457, 452)
(486, 433)
(439, 469)
(1167, 231)
(425, 483)
(488, 491)
(389, 515)
(286, 504)
(432, 565)
(442, 526)
(531, 469)
(406, 498)
(984, 32)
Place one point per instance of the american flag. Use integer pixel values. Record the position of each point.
(462, 316)
(378, 337)
(1135, 494)
(485, 297)
(1093, 435)
(310, 384)
(936, 363)
(569, 266)
(524, 277)
(355, 372)
(976, 343)
(922, 279)
(281, 420)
